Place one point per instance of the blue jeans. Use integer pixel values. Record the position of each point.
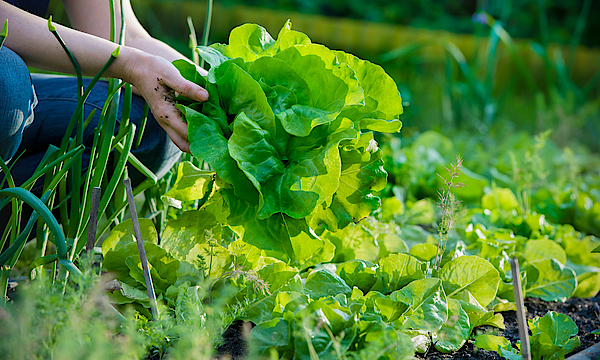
(57, 100)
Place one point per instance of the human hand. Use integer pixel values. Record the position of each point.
(157, 80)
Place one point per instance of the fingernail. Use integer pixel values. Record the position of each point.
(202, 94)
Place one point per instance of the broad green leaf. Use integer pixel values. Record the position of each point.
(208, 143)
(300, 120)
(279, 232)
(123, 234)
(424, 252)
(389, 309)
(163, 267)
(190, 72)
(549, 280)
(191, 183)
(239, 92)
(353, 242)
(470, 275)
(303, 185)
(422, 212)
(187, 237)
(588, 280)
(277, 73)
(251, 147)
(544, 249)
(357, 273)
(249, 41)
(478, 315)
(388, 343)
(500, 198)
(395, 271)
(386, 126)
(331, 316)
(288, 37)
(211, 55)
(455, 331)
(121, 244)
(361, 173)
(492, 343)
(341, 129)
(276, 275)
(322, 283)
(428, 309)
(289, 301)
(390, 208)
(553, 336)
(332, 86)
(376, 84)
(272, 334)
(127, 294)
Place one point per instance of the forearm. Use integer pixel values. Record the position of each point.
(29, 37)
(93, 17)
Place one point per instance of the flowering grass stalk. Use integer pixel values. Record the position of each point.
(449, 206)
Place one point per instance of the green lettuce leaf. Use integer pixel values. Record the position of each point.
(191, 184)
(428, 309)
(395, 271)
(549, 280)
(455, 331)
(470, 276)
(553, 336)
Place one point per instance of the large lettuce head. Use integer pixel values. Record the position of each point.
(287, 131)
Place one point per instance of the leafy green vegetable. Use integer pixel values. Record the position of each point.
(428, 309)
(395, 271)
(544, 249)
(470, 276)
(455, 331)
(191, 184)
(549, 280)
(284, 131)
(553, 336)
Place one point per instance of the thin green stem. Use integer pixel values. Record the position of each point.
(3, 33)
(207, 24)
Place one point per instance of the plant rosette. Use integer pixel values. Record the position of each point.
(288, 131)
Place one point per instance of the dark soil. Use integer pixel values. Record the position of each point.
(585, 313)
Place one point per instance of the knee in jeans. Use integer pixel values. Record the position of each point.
(16, 102)
(15, 81)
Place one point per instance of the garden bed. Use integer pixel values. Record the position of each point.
(585, 313)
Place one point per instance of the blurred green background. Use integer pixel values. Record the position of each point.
(481, 67)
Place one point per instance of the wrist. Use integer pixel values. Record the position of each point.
(129, 65)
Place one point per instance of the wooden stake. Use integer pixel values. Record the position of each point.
(140, 245)
(92, 226)
(521, 319)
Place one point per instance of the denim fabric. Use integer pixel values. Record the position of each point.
(16, 102)
(57, 100)
(37, 7)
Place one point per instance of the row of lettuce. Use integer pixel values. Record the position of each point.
(372, 284)
(292, 234)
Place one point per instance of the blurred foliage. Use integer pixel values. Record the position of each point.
(521, 17)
